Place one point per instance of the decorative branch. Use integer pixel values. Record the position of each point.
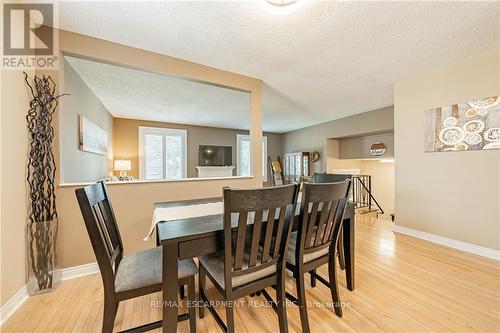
(41, 170)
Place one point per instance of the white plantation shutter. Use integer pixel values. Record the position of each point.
(174, 156)
(162, 153)
(244, 156)
(244, 159)
(153, 152)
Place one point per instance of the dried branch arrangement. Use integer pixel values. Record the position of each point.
(41, 170)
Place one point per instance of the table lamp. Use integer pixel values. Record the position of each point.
(123, 166)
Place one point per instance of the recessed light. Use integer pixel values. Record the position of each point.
(283, 7)
(281, 2)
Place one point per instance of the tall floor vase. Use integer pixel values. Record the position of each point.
(40, 178)
(42, 273)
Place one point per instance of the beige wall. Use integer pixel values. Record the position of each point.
(315, 137)
(451, 194)
(359, 146)
(78, 165)
(14, 149)
(333, 161)
(382, 183)
(133, 203)
(126, 142)
(14, 105)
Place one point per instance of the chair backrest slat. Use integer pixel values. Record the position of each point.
(329, 225)
(109, 220)
(318, 239)
(258, 238)
(254, 247)
(103, 230)
(104, 235)
(311, 217)
(279, 231)
(240, 240)
(321, 226)
(268, 234)
(338, 215)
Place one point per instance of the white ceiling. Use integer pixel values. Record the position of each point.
(325, 61)
(137, 94)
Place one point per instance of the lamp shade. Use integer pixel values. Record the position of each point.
(123, 165)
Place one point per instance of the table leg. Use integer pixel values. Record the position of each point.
(340, 250)
(170, 297)
(349, 255)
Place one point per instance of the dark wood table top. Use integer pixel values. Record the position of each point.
(204, 226)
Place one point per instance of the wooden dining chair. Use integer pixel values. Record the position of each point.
(257, 226)
(332, 178)
(313, 244)
(130, 276)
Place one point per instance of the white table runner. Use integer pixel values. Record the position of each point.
(196, 210)
(183, 212)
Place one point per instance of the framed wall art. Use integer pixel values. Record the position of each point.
(473, 125)
(93, 138)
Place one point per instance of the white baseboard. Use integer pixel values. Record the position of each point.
(9, 308)
(463, 246)
(78, 271)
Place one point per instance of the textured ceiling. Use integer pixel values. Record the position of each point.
(136, 94)
(325, 61)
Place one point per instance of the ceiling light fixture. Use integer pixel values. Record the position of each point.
(283, 7)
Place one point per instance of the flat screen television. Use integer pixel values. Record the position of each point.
(215, 155)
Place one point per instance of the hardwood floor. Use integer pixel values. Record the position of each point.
(403, 284)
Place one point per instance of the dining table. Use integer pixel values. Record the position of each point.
(192, 237)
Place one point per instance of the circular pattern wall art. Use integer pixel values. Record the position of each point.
(486, 103)
(472, 125)
(451, 136)
(473, 139)
(493, 137)
(471, 113)
(450, 121)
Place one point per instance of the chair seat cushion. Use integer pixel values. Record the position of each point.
(292, 245)
(214, 264)
(143, 269)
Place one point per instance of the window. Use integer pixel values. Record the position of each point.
(162, 153)
(244, 160)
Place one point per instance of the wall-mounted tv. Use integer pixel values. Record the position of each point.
(215, 155)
